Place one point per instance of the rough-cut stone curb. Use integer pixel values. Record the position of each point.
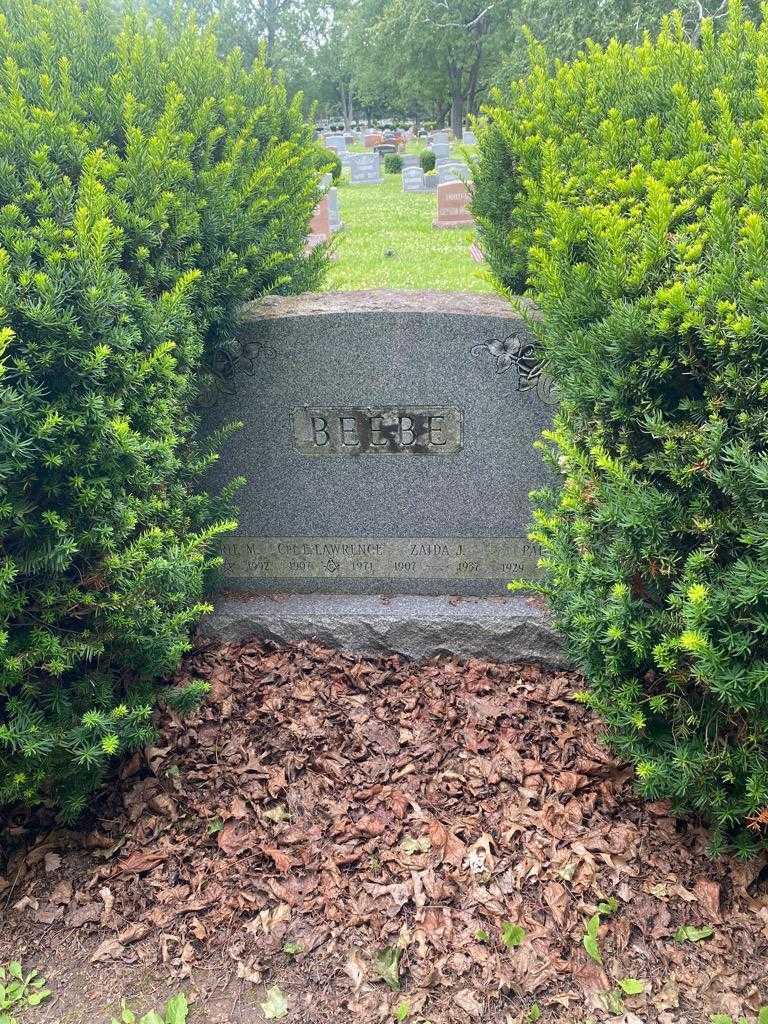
(513, 628)
(384, 300)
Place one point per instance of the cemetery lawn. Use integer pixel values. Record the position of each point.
(388, 242)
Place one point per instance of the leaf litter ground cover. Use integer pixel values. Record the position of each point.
(332, 838)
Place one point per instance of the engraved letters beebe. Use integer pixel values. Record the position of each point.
(387, 430)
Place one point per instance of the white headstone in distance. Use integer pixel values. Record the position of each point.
(410, 160)
(365, 169)
(326, 181)
(441, 138)
(413, 179)
(469, 138)
(441, 149)
(334, 217)
(452, 171)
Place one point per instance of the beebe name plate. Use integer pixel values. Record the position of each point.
(390, 430)
(400, 558)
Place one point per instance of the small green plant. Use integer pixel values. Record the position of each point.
(401, 1011)
(393, 163)
(589, 940)
(724, 1018)
(690, 933)
(533, 1014)
(19, 990)
(275, 1006)
(175, 1012)
(606, 908)
(632, 986)
(388, 966)
(613, 1000)
(427, 160)
(512, 935)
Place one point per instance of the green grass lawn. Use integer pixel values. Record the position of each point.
(388, 242)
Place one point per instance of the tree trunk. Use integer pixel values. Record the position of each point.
(346, 105)
(457, 109)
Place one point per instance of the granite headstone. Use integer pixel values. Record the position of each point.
(365, 169)
(413, 179)
(320, 225)
(453, 200)
(387, 445)
(454, 170)
(334, 217)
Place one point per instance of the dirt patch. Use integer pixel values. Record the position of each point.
(321, 809)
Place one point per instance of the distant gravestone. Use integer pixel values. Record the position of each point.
(442, 161)
(430, 182)
(453, 200)
(385, 149)
(441, 149)
(453, 171)
(413, 180)
(365, 169)
(334, 217)
(336, 143)
(326, 181)
(372, 139)
(410, 160)
(441, 138)
(320, 225)
(469, 138)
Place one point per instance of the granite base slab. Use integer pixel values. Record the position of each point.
(511, 628)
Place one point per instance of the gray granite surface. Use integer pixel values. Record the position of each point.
(369, 358)
(513, 628)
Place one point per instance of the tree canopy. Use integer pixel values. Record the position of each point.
(426, 59)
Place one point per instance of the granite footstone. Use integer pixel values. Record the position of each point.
(509, 629)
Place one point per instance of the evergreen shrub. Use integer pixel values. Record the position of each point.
(640, 208)
(326, 160)
(427, 161)
(393, 163)
(146, 189)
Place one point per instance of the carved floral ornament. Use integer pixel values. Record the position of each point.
(520, 353)
(513, 351)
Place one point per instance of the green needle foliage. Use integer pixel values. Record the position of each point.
(638, 215)
(146, 189)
